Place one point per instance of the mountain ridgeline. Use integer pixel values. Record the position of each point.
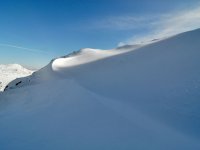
(141, 97)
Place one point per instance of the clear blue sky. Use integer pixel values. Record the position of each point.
(32, 32)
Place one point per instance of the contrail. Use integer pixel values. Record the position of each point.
(24, 48)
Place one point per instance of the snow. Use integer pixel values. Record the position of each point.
(144, 97)
(10, 72)
(86, 55)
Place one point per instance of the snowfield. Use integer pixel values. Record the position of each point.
(10, 72)
(143, 98)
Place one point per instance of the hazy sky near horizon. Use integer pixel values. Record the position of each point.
(32, 32)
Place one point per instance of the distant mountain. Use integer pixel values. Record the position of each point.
(142, 97)
(10, 72)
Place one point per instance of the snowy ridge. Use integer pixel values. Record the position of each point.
(84, 56)
(77, 58)
(144, 98)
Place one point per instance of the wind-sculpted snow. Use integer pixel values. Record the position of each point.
(54, 69)
(144, 98)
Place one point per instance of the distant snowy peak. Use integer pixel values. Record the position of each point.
(14, 68)
(10, 72)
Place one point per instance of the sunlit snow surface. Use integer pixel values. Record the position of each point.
(146, 98)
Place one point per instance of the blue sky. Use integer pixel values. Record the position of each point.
(32, 32)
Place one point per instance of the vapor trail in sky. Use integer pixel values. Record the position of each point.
(24, 48)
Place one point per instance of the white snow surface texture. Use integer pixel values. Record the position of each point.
(135, 98)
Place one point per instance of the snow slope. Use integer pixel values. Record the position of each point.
(142, 98)
(77, 58)
(11, 72)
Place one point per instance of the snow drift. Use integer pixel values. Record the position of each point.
(127, 98)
